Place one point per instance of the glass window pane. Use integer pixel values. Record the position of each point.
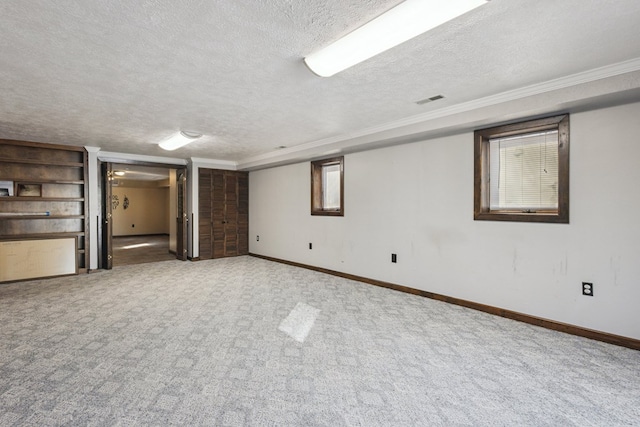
(331, 186)
(524, 172)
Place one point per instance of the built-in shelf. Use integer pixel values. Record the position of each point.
(41, 235)
(4, 216)
(43, 199)
(47, 194)
(50, 181)
(42, 162)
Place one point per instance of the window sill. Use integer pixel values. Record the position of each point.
(327, 213)
(549, 217)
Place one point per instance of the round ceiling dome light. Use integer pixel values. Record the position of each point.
(179, 139)
(190, 134)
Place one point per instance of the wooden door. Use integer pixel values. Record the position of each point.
(205, 221)
(181, 217)
(107, 222)
(243, 214)
(230, 219)
(223, 213)
(217, 214)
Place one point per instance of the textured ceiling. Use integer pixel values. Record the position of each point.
(123, 75)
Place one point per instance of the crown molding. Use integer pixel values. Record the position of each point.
(202, 162)
(304, 151)
(125, 157)
(524, 92)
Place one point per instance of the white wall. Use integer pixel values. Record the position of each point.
(416, 200)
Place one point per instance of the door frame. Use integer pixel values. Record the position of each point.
(105, 246)
(106, 171)
(182, 218)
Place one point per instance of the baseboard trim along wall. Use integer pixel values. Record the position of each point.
(514, 315)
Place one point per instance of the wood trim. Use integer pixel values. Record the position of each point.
(78, 271)
(53, 160)
(28, 217)
(41, 199)
(481, 170)
(631, 343)
(42, 162)
(182, 226)
(192, 228)
(317, 207)
(41, 235)
(107, 213)
(316, 190)
(87, 213)
(563, 170)
(42, 145)
(528, 126)
(50, 181)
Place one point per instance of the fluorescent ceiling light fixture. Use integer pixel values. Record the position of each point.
(178, 140)
(404, 22)
(119, 173)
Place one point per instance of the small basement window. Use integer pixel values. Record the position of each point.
(327, 187)
(522, 171)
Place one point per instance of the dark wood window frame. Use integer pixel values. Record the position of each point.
(482, 210)
(317, 189)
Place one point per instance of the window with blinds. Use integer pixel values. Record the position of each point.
(524, 172)
(327, 187)
(331, 186)
(521, 171)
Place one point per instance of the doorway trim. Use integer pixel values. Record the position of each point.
(105, 234)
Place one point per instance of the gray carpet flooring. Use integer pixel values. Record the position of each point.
(244, 341)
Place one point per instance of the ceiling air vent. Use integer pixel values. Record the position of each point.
(433, 98)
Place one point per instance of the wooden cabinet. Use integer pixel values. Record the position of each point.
(223, 201)
(43, 193)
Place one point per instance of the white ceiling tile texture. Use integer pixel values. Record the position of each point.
(124, 75)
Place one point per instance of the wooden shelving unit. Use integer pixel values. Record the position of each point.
(31, 217)
(47, 193)
(40, 162)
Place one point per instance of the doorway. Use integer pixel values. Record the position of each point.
(144, 214)
(128, 250)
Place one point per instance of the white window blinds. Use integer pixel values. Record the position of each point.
(331, 186)
(524, 172)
